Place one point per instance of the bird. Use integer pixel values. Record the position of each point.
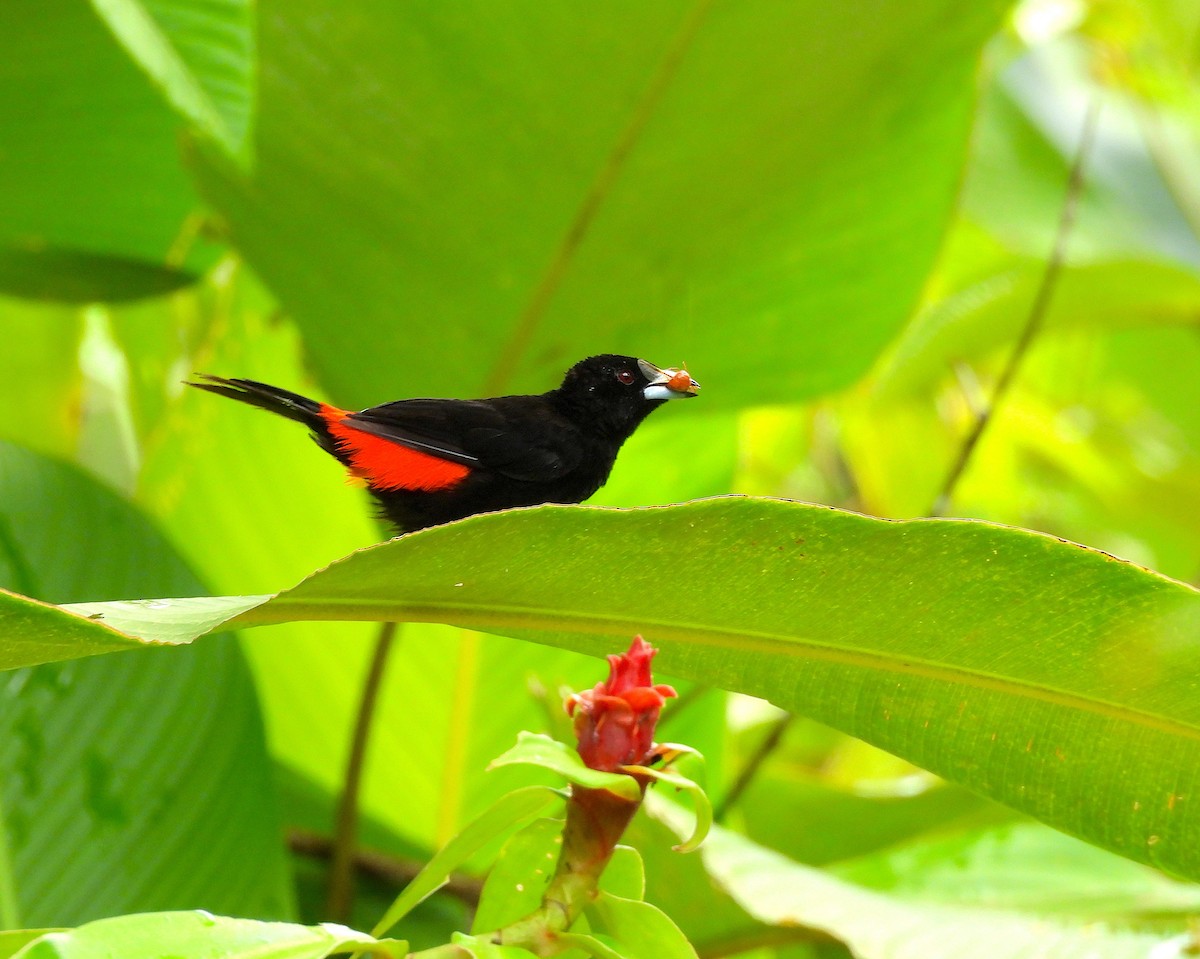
(432, 461)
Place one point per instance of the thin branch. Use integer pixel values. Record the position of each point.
(1037, 311)
(599, 191)
(764, 938)
(769, 744)
(341, 870)
(388, 870)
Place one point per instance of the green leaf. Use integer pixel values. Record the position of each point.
(13, 941)
(154, 760)
(517, 881)
(201, 935)
(845, 820)
(540, 750)
(200, 54)
(589, 944)
(699, 152)
(96, 203)
(1004, 867)
(35, 633)
(625, 874)
(874, 926)
(703, 808)
(639, 930)
(80, 276)
(1035, 671)
(506, 813)
(482, 949)
(682, 888)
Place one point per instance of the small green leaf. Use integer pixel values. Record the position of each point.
(591, 945)
(625, 874)
(640, 930)
(201, 935)
(704, 815)
(13, 941)
(506, 813)
(482, 949)
(517, 881)
(540, 750)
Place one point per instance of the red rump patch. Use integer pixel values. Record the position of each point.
(386, 465)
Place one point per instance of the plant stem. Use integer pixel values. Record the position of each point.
(341, 870)
(388, 870)
(769, 744)
(764, 938)
(596, 819)
(1037, 311)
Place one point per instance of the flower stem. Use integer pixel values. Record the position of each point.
(596, 820)
(341, 870)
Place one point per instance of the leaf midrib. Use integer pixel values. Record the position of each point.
(474, 615)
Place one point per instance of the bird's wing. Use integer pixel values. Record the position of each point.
(513, 439)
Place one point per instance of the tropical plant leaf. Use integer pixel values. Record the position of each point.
(505, 814)
(1043, 674)
(474, 185)
(200, 54)
(121, 759)
(95, 200)
(201, 935)
(875, 926)
(540, 750)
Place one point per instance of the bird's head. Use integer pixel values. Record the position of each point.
(613, 393)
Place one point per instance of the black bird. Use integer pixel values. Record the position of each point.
(430, 461)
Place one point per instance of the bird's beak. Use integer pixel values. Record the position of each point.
(670, 384)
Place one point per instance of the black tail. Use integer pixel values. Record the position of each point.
(292, 405)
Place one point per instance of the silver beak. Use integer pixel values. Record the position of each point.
(668, 384)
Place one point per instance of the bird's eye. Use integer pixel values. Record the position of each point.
(625, 376)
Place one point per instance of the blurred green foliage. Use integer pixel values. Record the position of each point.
(837, 214)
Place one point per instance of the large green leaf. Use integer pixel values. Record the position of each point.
(1052, 677)
(487, 193)
(1005, 867)
(875, 926)
(129, 783)
(94, 197)
(201, 935)
(200, 54)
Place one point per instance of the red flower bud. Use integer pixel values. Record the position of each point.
(614, 722)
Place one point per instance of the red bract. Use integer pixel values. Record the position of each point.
(614, 722)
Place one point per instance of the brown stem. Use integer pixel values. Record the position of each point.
(769, 744)
(764, 938)
(341, 870)
(1037, 312)
(388, 870)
